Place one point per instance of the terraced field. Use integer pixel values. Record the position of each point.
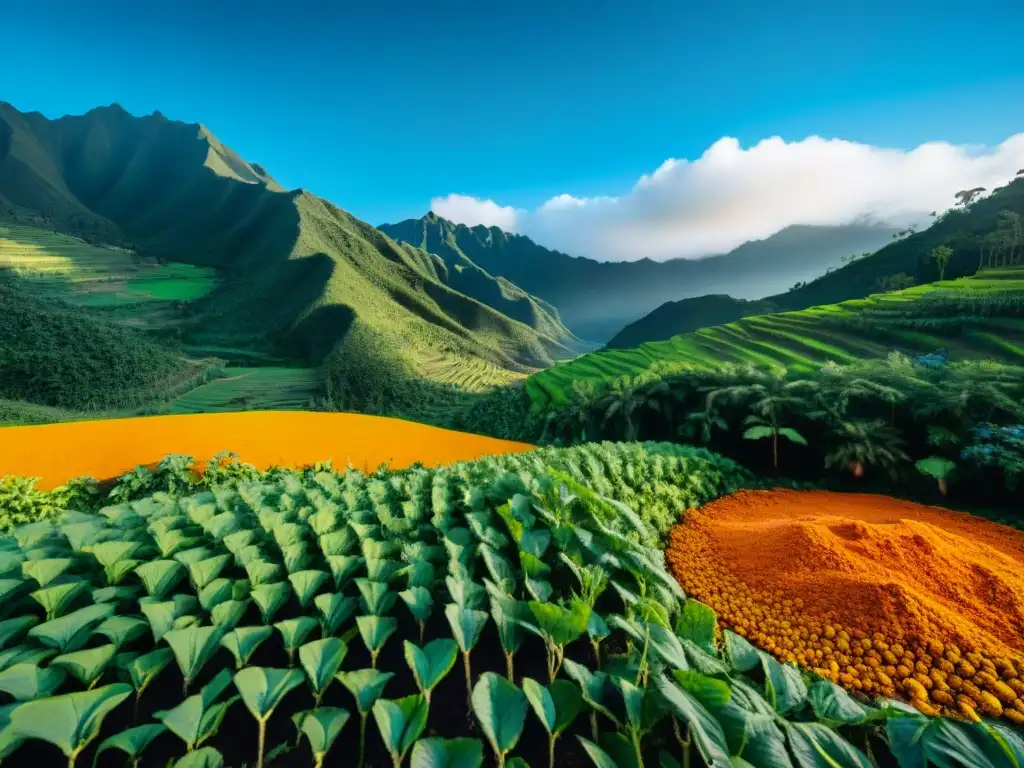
(971, 318)
(243, 389)
(132, 289)
(468, 374)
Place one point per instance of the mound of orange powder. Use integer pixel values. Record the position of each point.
(886, 597)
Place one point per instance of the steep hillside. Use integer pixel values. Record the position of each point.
(970, 318)
(596, 299)
(295, 272)
(674, 317)
(55, 355)
(964, 231)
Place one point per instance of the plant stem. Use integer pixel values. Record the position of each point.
(362, 737)
(509, 667)
(469, 687)
(373, 659)
(597, 653)
(259, 745)
(635, 736)
(551, 749)
(184, 688)
(593, 724)
(423, 629)
(135, 708)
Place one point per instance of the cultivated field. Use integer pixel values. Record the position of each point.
(972, 318)
(134, 289)
(242, 389)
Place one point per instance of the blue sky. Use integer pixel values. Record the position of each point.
(381, 106)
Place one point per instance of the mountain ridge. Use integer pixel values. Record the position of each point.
(298, 273)
(597, 299)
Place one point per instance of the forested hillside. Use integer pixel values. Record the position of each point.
(297, 276)
(983, 233)
(596, 299)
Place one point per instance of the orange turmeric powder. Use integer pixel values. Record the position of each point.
(886, 597)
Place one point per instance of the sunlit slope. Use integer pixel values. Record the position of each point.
(105, 449)
(971, 318)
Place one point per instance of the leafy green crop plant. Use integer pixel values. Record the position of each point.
(262, 689)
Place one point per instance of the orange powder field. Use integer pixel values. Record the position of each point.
(884, 596)
(105, 449)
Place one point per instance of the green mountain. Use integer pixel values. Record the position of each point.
(966, 232)
(596, 299)
(296, 275)
(972, 318)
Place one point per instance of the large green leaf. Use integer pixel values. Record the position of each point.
(705, 730)
(697, 623)
(419, 601)
(596, 688)
(69, 722)
(242, 642)
(46, 570)
(204, 571)
(758, 432)
(132, 742)
(556, 705)
(229, 614)
(306, 584)
(261, 572)
(215, 593)
(375, 631)
(270, 598)
(197, 717)
(834, 706)
(110, 553)
(207, 757)
(71, 632)
(500, 708)
(162, 615)
(27, 653)
(377, 599)
(562, 625)
(335, 609)
(294, 633)
(193, 648)
(814, 745)
(57, 599)
(141, 670)
(598, 756)
(466, 625)
(121, 629)
(365, 685)
(917, 741)
(263, 688)
(400, 722)
(465, 593)
(29, 681)
(741, 654)
(321, 660)
(344, 568)
(784, 686)
(159, 577)
(321, 727)
(447, 753)
(431, 663)
(12, 630)
(86, 666)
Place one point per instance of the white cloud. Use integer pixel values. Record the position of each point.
(464, 209)
(730, 195)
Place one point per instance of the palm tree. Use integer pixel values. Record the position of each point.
(701, 424)
(770, 398)
(630, 395)
(865, 444)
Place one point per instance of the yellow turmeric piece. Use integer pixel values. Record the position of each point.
(882, 596)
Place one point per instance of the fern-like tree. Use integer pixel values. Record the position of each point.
(771, 398)
(861, 444)
(702, 424)
(628, 396)
(941, 255)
